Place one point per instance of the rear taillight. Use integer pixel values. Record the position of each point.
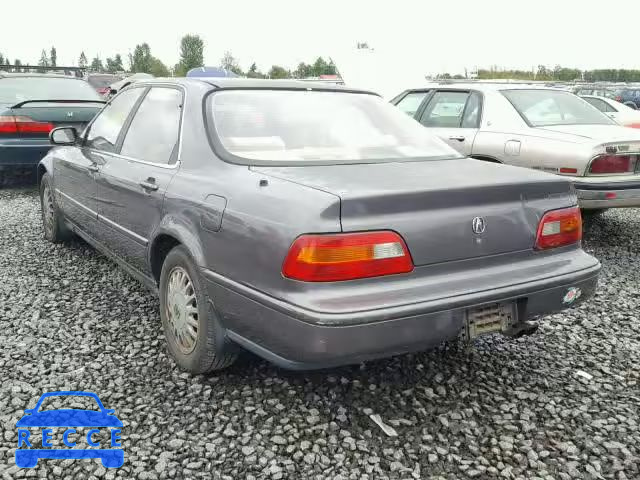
(633, 125)
(23, 124)
(346, 256)
(612, 164)
(559, 228)
(618, 98)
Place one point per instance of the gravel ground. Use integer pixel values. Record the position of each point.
(560, 404)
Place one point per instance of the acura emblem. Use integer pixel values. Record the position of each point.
(479, 225)
(69, 114)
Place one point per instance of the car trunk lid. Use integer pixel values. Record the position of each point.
(435, 204)
(37, 119)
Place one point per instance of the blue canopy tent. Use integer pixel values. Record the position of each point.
(210, 72)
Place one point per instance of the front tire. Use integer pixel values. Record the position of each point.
(195, 337)
(53, 224)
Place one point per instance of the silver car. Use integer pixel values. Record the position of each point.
(541, 128)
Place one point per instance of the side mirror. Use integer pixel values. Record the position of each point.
(63, 136)
(112, 91)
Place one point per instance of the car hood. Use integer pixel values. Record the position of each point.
(69, 418)
(598, 133)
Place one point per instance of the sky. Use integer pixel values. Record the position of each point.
(432, 36)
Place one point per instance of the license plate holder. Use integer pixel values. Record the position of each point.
(490, 318)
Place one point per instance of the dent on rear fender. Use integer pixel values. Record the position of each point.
(183, 232)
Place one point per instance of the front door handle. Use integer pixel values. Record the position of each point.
(93, 167)
(459, 138)
(149, 184)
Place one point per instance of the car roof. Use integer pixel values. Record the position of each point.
(254, 83)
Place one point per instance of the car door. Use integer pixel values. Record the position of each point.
(132, 182)
(454, 116)
(75, 168)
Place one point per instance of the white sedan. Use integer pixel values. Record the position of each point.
(622, 114)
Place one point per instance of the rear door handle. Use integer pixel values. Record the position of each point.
(459, 138)
(149, 184)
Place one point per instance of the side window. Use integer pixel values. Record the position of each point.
(104, 131)
(600, 104)
(471, 116)
(411, 102)
(153, 133)
(445, 110)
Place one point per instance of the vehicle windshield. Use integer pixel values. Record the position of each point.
(18, 89)
(541, 108)
(285, 126)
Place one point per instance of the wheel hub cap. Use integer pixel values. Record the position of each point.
(182, 309)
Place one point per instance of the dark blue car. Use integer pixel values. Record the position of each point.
(27, 457)
(31, 105)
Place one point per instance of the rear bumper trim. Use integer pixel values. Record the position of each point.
(468, 300)
(597, 198)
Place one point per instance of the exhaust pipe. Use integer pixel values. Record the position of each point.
(521, 329)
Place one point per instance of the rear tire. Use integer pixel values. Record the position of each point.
(631, 105)
(195, 336)
(53, 224)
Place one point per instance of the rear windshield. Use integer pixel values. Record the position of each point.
(103, 81)
(301, 126)
(18, 89)
(542, 108)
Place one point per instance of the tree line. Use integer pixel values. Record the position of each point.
(562, 74)
(191, 56)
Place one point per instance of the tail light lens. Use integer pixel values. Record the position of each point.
(336, 257)
(559, 228)
(23, 124)
(613, 164)
(618, 98)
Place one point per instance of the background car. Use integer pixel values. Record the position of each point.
(102, 82)
(629, 96)
(31, 105)
(597, 90)
(126, 81)
(541, 128)
(622, 114)
(212, 192)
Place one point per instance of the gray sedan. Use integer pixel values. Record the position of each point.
(311, 224)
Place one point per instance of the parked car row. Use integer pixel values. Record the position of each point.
(315, 225)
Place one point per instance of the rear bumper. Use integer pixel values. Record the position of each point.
(23, 154)
(295, 337)
(608, 194)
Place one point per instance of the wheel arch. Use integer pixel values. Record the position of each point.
(167, 236)
(44, 166)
